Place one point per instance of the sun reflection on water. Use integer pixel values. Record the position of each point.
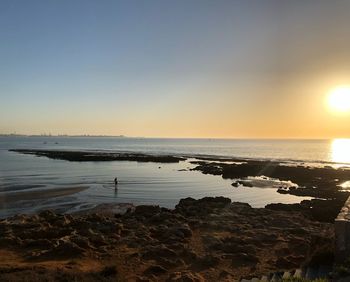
(341, 150)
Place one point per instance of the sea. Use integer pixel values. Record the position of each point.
(146, 183)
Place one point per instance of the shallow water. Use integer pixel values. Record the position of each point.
(146, 183)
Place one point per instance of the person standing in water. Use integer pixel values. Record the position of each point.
(116, 182)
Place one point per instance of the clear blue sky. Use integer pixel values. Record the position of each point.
(173, 68)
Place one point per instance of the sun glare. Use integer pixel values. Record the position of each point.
(341, 150)
(339, 99)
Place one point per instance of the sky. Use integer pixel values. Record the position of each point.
(185, 68)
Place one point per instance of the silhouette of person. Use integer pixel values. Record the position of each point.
(115, 182)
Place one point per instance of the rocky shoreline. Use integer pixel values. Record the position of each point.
(322, 183)
(200, 240)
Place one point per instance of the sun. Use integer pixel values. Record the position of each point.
(339, 99)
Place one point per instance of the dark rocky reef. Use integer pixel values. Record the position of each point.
(318, 182)
(315, 209)
(322, 178)
(97, 156)
(210, 239)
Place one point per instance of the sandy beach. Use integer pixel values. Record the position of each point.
(39, 194)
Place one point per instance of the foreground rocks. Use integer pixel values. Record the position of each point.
(200, 240)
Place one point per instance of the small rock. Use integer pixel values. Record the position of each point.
(185, 277)
(155, 270)
(157, 252)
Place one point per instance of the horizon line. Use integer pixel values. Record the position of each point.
(167, 137)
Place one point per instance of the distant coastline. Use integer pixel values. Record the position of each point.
(58, 135)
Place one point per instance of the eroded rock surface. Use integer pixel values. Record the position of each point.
(200, 240)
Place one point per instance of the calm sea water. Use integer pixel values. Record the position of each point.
(146, 183)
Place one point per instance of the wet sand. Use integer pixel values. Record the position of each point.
(39, 194)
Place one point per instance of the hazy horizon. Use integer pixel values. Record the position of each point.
(165, 137)
(174, 69)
